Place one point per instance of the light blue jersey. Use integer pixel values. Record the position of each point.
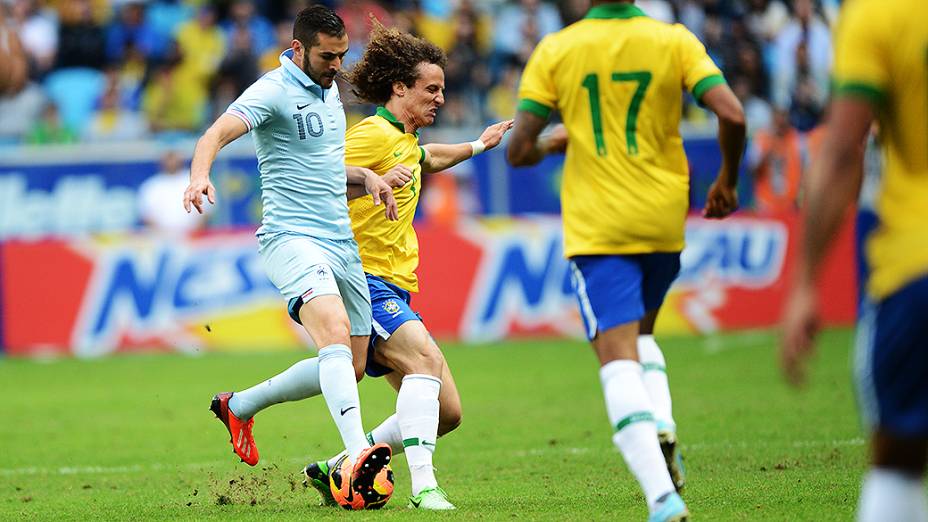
(299, 134)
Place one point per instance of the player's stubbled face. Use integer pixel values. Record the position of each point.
(427, 95)
(323, 60)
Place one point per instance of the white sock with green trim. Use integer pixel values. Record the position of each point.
(890, 495)
(417, 415)
(630, 414)
(655, 380)
(387, 432)
(297, 382)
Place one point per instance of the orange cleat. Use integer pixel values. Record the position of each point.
(243, 443)
(370, 462)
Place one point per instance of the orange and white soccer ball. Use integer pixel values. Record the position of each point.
(348, 498)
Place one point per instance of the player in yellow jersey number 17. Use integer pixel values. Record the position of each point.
(616, 78)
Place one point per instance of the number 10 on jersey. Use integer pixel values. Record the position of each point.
(591, 84)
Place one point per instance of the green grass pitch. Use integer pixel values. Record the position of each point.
(130, 437)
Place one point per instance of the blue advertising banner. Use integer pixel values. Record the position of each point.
(73, 192)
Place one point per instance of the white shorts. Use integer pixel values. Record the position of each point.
(304, 267)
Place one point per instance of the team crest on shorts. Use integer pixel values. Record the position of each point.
(391, 307)
(322, 272)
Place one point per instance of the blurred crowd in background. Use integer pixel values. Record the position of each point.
(121, 70)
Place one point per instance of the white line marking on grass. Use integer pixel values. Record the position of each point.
(856, 441)
(534, 452)
(754, 443)
(714, 344)
(117, 470)
(701, 446)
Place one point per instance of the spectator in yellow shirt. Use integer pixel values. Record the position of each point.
(201, 42)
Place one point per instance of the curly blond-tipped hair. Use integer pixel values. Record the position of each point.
(390, 57)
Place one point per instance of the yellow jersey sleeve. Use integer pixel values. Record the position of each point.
(861, 62)
(537, 91)
(699, 71)
(363, 145)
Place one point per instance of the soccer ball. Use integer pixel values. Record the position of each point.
(348, 498)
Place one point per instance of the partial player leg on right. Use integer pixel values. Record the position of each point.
(894, 487)
(890, 367)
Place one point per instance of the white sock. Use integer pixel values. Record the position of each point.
(417, 413)
(892, 496)
(630, 414)
(655, 380)
(387, 432)
(336, 379)
(297, 382)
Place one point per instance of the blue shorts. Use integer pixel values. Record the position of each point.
(618, 289)
(390, 309)
(891, 362)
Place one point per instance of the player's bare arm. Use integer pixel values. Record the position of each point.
(528, 144)
(224, 131)
(831, 187)
(396, 177)
(363, 181)
(722, 199)
(439, 156)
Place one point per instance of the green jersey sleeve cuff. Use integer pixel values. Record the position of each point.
(703, 86)
(421, 154)
(865, 91)
(538, 109)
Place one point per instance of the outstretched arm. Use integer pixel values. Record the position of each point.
(439, 157)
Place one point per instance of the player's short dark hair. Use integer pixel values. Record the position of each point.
(314, 20)
(391, 56)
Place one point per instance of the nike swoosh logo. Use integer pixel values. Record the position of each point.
(301, 107)
(397, 154)
(349, 408)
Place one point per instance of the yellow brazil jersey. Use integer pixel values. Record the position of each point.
(881, 55)
(389, 249)
(617, 78)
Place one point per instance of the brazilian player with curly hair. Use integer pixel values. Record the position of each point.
(404, 76)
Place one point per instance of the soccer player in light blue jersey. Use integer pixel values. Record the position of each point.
(297, 122)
